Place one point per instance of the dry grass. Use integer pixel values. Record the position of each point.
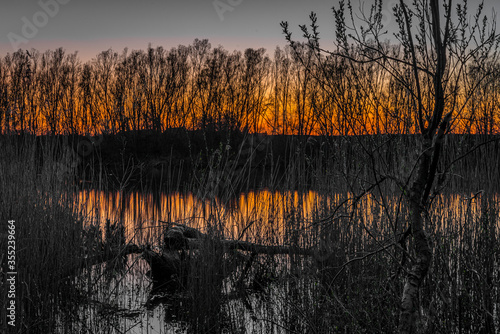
(36, 193)
(352, 284)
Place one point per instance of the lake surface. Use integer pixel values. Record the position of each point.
(264, 208)
(265, 216)
(144, 211)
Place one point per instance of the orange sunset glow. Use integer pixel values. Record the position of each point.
(199, 87)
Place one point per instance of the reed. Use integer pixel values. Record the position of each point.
(322, 202)
(36, 182)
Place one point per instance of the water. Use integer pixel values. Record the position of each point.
(144, 214)
(265, 217)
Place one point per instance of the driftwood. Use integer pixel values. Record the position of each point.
(113, 247)
(104, 256)
(170, 267)
(182, 244)
(180, 237)
(252, 247)
(109, 255)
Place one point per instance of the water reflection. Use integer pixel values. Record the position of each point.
(269, 217)
(146, 211)
(256, 213)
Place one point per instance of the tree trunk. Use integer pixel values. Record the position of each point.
(423, 253)
(418, 202)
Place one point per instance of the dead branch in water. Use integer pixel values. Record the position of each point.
(180, 237)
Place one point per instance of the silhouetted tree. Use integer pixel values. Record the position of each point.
(437, 48)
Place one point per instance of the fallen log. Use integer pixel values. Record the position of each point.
(102, 257)
(180, 237)
(184, 246)
(110, 254)
(229, 245)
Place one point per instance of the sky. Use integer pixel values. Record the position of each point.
(92, 26)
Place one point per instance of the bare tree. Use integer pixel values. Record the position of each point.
(439, 42)
(281, 90)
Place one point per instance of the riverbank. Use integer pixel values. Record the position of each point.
(180, 159)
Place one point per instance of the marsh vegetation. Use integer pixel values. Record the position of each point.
(351, 282)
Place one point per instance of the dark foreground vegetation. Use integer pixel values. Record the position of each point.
(72, 276)
(178, 158)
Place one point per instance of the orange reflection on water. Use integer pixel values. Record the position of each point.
(253, 212)
(266, 216)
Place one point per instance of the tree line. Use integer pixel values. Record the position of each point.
(296, 91)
